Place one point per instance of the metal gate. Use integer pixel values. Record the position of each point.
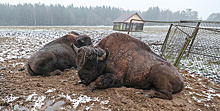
(194, 46)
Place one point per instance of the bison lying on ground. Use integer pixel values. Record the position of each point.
(120, 60)
(57, 55)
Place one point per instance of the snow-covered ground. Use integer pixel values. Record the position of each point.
(24, 41)
(152, 35)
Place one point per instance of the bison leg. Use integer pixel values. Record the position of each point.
(56, 72)
(154, 93)
(105, 81)
(161, 83)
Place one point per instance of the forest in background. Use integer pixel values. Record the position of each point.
(52, 15)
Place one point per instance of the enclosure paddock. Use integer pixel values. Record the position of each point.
(19, 91)
(192, 45)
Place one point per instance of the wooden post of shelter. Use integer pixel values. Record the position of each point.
(129, 28)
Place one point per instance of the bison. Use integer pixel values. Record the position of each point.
(121, 60)
(57, 55)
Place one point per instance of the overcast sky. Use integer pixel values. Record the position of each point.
(204, 7)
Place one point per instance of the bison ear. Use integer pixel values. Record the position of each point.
(74, 47)
(74, 33)
(104, 56)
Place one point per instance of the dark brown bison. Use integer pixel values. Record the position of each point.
(57, 55)
(120, 60)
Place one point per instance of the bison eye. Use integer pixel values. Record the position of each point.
(80, 41)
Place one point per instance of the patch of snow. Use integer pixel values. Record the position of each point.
(1, 59)
(9, 98)
(50, 90)
(30, 96)
(88, 107)
(80, 99)
(18, 108)
(105, 101)
(39, 102)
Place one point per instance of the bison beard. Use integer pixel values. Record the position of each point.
(57, 55)
(91, 59)
(129, 63)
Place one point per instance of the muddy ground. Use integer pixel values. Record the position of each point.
(19, 91)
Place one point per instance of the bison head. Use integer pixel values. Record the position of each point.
(91, 62)
(83, 40)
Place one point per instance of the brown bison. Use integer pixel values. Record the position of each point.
(120, 60)
(57, 55)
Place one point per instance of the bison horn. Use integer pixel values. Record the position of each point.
(74, 47)
(104, 56)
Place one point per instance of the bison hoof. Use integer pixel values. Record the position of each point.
(148, 95)
(80, 82)
(138, 92)
(89, 90)
(91, 87)
(56, 72)
(21, 69)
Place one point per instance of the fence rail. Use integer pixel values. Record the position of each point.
(193, 45)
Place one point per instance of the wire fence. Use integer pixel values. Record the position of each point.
(194, 46)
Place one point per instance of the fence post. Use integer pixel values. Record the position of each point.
(194, 36)
(188, 39)
(167, 44)
(165, 41)
(129, 28)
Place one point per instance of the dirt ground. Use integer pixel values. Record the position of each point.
(19, 91)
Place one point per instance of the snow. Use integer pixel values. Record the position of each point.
(30, 96)
(23, 47)
(40, 101)
(80, 99)
(50, 90)
(9, 98)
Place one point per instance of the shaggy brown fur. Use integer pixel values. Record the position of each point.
(130, 63)
(74, 33)
(56, 56)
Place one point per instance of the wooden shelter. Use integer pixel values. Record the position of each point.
(122, 23)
